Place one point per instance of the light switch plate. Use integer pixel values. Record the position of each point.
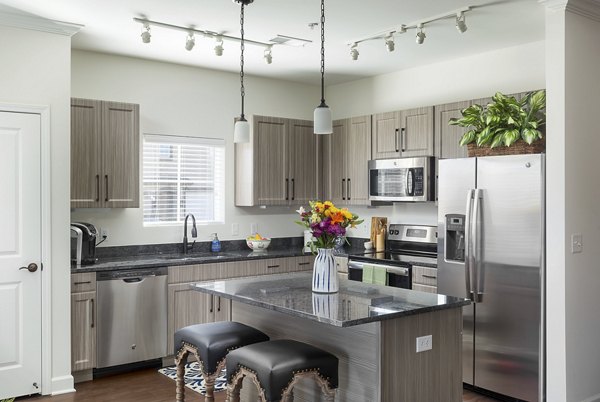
(576, 243)
(235, 229)
(424, 343)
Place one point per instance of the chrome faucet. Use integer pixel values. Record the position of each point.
(187, 247)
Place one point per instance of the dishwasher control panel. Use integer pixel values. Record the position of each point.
(130, 273)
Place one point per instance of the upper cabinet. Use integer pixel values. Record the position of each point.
(403, 134)
(447, 137)
(346, 154)
(280, 165)
(105, 142)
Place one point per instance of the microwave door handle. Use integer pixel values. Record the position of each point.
(477, 225)
(468, 238)
(410, 182)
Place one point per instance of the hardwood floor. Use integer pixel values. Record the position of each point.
(151, 386)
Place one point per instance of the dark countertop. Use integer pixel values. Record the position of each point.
(356, 303)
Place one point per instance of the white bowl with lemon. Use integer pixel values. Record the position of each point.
(257, 242)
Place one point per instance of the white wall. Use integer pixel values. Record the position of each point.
(509, 70)
(177, 99)
(35, 70)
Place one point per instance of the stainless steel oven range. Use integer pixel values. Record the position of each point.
(405, 245)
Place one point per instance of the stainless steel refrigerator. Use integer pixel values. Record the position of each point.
(491, 250)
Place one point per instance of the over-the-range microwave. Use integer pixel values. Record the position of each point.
(402, 179)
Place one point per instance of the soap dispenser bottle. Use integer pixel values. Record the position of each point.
(215, 245)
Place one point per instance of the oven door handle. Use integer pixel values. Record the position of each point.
(402, 271)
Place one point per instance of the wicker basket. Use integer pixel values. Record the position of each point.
(519, 147)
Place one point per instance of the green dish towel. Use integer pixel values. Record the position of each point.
(380, 276)
(367, 274)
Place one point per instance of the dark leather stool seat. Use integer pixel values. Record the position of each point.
(276, 365)
(210, 343)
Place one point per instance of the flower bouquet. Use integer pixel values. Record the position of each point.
(326, 223)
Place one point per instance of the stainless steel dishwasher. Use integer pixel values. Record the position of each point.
(132, 316)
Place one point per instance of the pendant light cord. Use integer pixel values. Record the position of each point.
(322, 52)
(242, 90)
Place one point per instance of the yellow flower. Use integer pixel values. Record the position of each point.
(347, 214)
(328, 203)
(319, 207)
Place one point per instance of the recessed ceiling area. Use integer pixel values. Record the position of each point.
(109, 27)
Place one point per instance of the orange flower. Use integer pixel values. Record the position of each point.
(337, 218)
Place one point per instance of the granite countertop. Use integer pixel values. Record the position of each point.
(356, 303)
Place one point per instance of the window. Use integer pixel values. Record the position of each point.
(183, 175)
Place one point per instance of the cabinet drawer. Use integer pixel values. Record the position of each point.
(194, 273)
(425, 275)
(275, 265)
(85, 282)
(424, 288)
(341, 264)
(304, 263)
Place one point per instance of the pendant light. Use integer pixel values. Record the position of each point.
(241, 132)
(322, 116)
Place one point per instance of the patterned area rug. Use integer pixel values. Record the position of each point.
(193, 377)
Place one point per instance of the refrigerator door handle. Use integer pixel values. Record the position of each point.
(479, 271)
(468, 237)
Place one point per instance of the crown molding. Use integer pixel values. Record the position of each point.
(585, 8)
(17, 19)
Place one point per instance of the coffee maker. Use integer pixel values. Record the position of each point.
(83, 243)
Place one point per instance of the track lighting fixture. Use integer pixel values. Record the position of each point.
(146, 33)
(461, 23)
(420, 38)
(354, 51)
(268, 55)
(219, 45)
(190, 42)
(389, 42)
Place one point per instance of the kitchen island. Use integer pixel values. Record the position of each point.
(372, 329)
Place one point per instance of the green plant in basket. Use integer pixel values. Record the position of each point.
(504, 121)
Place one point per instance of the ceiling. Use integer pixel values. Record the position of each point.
(109, 27)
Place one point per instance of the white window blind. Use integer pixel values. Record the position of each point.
(183, 175)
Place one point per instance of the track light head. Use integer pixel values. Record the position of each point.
(354, 51)
(420, 38)
(190, 42)
(461, 23)
(219, 45)
(146, 33)
(402, 29)
(389, 42)
(268, 55)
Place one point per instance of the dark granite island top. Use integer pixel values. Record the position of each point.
(356, 303)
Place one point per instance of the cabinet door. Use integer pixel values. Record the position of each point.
(358, 153)
(303, 155)
(447, 137)
(186, 307)
(120, 155)
(222, 308)
(386, 136)
(83, 331)
(85, 153)
(271, 166)
(416, 132)
(334, 162)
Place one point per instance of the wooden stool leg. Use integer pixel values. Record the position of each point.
(233, 389)
(179, 380)
(290, 396)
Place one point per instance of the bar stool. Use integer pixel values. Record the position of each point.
(210, 343)
(276, 366)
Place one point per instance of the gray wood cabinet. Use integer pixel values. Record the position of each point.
(105, 144)
(280, 165)
(83, 321)
(404, 133)
(447, 137)
(424, 279)
(345, 159)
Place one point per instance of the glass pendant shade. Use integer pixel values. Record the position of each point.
(241, 132)
(322, 120)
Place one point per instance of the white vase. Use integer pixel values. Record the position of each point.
(325, 279)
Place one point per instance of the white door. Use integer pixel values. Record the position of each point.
(20, 246)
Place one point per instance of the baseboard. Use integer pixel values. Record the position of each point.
(62, 385)
(83, 375)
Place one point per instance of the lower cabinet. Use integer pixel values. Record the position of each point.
(424, 279)
(83, 322)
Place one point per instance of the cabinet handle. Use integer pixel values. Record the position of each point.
(303, 263)
(212, 304)
(219, 304)
(343, 188)
(106, 182)
(287, 189)
(396, 140)
(82, 283)
(97, 187)
(429, 276)
(349, 190)
(272, 266)
(403, 139)
(293, 189)
(92, 312)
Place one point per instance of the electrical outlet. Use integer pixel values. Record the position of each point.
(424, 343)
(235, 229)
(253, 228)
(576, 243)
(104, 233)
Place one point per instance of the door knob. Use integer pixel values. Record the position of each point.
(31, 267)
